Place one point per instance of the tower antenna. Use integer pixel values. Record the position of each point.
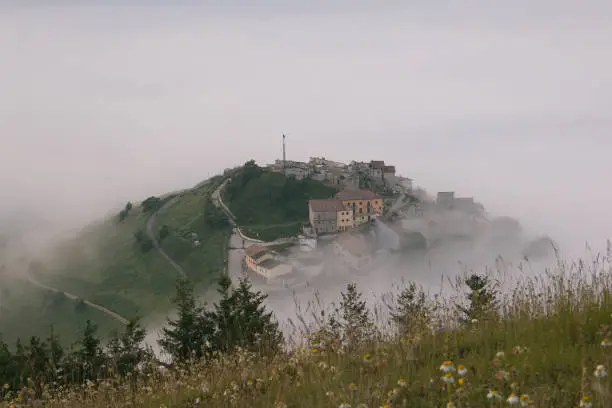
(284, 155)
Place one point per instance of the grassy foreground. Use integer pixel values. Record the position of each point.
(548, 346)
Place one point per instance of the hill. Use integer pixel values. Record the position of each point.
(117, 263)
(268, 205)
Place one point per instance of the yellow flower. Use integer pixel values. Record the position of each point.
(367, 357)
(353, 387)
(451, 404)
(447, 366)
(460, 381)
(606, 342)
(585, 402)
(401, 382)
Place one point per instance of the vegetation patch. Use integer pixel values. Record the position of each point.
(270, 203)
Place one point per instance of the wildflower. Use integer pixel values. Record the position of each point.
(493, 395)
(352, 387)
(344, 405)
(367, 358)
(329, 394)
(460, 381)
(292, 361)
(474, 321)
(461, 370)
(401, 382)
(600, 371)
(451, 404)
(448, 378)
(500, 354)
(606, 343)
(281, 405)
(6, 386)
(519, 350)
(323, 365)
(512, 399)
(447, 366)
(525, 401)
(585, 402)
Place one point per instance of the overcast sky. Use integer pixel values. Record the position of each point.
(505, 101)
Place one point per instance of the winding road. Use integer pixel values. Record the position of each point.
(149, 230)
(76, 298)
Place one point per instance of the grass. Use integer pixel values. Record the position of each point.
(27, 309)
(272, 232)
(105, 265)
(269, 203)
(549, 347)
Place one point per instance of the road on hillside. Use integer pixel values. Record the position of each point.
(149, 229)
(74, 297)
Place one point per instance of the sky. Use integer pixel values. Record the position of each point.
(114, 101)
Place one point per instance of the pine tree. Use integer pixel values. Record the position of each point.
(482, 299)
(187, 336)
(412, 312)
(127, 351)
(90, 355)
(241, 319)
(353, 321)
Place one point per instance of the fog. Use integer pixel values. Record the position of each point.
(509, 103)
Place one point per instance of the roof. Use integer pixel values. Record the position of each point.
(389, 169)
(353, 244)
(357, 195)
(326, 205)
(377, 164)
(255, 250)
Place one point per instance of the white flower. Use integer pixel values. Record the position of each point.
(344, 405)
(461, 370)
(448, 378)
(513, 399)
(447, 367)
(606, 343)
(493, 395)
(585, 402)
(600, 371)
(500, 354)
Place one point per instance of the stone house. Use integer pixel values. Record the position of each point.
(329, 216)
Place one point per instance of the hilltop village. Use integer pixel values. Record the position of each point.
(374, 210)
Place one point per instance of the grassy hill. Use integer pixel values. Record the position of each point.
(269, 205)
(113, 263)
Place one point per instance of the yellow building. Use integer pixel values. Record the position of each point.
(366, 205)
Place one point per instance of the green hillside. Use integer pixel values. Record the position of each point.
(269, 205)
(114, 263)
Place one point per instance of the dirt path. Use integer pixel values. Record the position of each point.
(74, 297)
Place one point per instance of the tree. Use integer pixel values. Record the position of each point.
(241, 319)
(90, 355)
(352, 320)
(164, 231)
(412, 312)
(151, 204)
(186, 336)
(127, 351)
(482, 299)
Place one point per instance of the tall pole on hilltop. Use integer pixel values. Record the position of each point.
(284, 155)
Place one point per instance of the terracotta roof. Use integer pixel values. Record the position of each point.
(326, 205)
(389, 169)
(353, 244)
(357, 195)
(377, 164)
(254, 250)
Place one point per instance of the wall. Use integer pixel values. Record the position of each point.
(344, 220)
(323, 222)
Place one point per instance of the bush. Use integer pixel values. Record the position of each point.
(151, 204)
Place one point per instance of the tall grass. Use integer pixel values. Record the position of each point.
(548, 346)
